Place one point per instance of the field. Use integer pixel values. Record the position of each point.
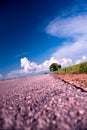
(75, 69)
(76, 75)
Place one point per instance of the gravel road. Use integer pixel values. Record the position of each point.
(42, 103)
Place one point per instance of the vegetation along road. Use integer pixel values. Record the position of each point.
(42, 102)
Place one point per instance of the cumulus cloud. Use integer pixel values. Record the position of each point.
(66, 62)
(34, 67)
(28, 67)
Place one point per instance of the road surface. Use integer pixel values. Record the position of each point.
(42, 103)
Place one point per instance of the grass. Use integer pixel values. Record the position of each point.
(75, 69)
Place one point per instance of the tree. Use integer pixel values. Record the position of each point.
(54, 67)
(59, 66)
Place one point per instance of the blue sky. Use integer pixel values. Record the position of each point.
(33, 34)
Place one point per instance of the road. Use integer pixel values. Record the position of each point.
(42, 103)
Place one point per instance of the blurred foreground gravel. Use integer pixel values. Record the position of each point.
(42, 103)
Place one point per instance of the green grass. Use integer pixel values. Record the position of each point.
(76, 69)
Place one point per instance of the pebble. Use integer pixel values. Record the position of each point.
(81, 112)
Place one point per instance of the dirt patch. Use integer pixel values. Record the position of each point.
(79, 80)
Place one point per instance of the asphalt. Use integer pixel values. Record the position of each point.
(42, 103)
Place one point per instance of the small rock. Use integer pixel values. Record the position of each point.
(81, 112)
(72, 114)
(10, 108)
(28, 97)
(60, 99)
(65, 126)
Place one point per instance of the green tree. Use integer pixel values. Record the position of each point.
(54, 67)
(59, 66)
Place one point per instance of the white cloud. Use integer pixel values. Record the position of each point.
(66, 62)
(32, 67)
(83, 59)
(72, 50)
(27, 65)
(78, 61)
(74, 28)
(15, 73)
(0, 76)
(45, 65)
(68, 27)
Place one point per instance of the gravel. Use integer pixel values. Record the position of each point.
(42, 103)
